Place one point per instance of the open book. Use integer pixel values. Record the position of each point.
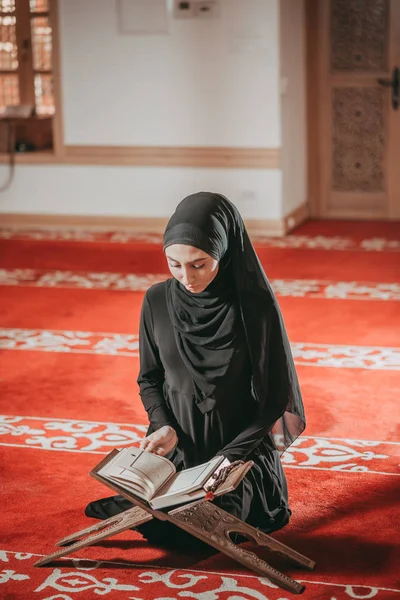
(154, 478)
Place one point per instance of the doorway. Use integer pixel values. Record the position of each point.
(353, 61)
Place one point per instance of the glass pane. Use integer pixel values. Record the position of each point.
(9, 93)
(8, 44)
(41, 43)
(7, 6)
(44, 94)
(39, 5)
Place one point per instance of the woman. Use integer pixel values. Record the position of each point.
(216, 371)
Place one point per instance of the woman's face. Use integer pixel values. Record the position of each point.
(192, 267)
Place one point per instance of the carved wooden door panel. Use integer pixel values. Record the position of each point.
(359, 115)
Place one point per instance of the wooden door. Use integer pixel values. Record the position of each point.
(354, 125)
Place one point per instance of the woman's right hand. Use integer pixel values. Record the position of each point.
(160, 442)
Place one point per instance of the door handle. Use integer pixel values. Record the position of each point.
(393, 83)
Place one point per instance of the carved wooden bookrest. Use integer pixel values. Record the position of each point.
(202, 519)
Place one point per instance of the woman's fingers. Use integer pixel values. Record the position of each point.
(151, 446)
(160, 442)
(154, 445)
(144, 443)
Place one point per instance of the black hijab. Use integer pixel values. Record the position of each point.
(206, 324)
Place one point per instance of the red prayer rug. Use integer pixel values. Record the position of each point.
(69, 311)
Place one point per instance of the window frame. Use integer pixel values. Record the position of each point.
(26, 73)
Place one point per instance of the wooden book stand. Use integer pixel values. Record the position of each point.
(202, 519)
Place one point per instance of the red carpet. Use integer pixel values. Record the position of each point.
(69, 309)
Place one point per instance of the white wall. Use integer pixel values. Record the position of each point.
(135, 191)
(208, 82)
(293, 104)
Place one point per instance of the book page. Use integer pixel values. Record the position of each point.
(132, 464)
(190, 479)
(136, 488)
(131, 481)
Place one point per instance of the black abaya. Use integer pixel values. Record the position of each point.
(170, 398)
(217, 367)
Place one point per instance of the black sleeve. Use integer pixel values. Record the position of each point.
(248, 439)
(151, 374)
(269, 410)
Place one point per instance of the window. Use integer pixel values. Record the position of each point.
(26, 57)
